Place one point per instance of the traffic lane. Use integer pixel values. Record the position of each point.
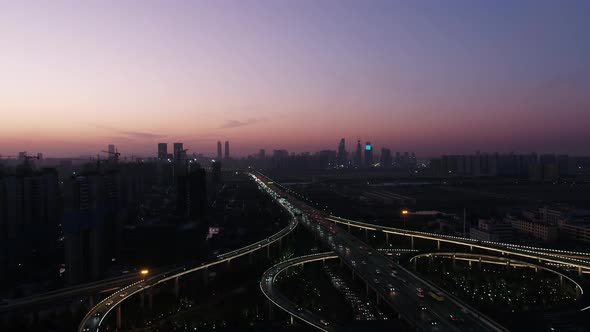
(440, 312)
(374, 261)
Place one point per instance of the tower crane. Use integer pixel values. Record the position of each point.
(115, 154)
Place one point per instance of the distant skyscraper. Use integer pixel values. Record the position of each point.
(216, 171)
(218, 150)
(162, 151)
(386, 160)
(358, 155)
(262, 154)
(192, 194)
(177, 151)
(180, 162)
(341, 157)
(112, 152)
(226, 150)
(368, 155)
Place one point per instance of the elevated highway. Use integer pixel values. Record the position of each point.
(554, 256)
(93, 320)
(267, 286)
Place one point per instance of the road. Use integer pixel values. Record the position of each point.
(267, 285)
(554, 256)
(407, 293)
(95, 317)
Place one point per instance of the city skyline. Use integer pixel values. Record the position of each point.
(419, 76)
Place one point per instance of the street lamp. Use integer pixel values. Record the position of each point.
(144, 272)
(404, 213)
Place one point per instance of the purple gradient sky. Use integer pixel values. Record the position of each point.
(427, 76)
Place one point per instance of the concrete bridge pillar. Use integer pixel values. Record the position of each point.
(471, 248)
(268, 251)
(270, 310)
(438, 245)
(176, 286)
(387, 238)
(412, 241)
(280, 243)
(91, 301)
(348, 228)
(579, 271)
(206, 277)
(292, 321)
(151, 298)
(560, 280)
(119, 320)
(366, 234)
(470, 264)
(251, 257)
(454, 262)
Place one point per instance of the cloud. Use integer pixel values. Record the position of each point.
(238, 123)
(129, 134)
(138, 134)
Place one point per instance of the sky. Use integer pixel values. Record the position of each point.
(433, 77)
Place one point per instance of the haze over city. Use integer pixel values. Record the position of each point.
(414, 76)
(294, 166)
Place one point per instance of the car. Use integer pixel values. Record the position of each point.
(86, 329)
(364, 262)
(376, 280)
(98, 314)
(454, 318)
(109, 303)
(423, 308)
(324, 322)
(391, 288)
(421, 295)
(123, 294)
(433, 322)
(299, 308)
(420, 290)
(377, 271)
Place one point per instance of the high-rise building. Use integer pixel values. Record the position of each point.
(341, 157)
(216, 171)
(162, 151)
(358, 155)
(262, 154)
(218, 150)
(386, 160)
(178, 148)
(226, 150)
(192, 194)
(180, 162)
(368, 155)
(112, 151)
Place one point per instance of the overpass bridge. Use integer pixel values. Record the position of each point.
(390, 282)
(578, 260)
(95, 317)
(267, 286)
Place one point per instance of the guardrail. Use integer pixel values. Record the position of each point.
(163, 277)
(274, 271)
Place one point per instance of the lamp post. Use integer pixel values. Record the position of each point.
(404, 213)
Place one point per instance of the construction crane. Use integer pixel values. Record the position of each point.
(115, 154)
(24, 156)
